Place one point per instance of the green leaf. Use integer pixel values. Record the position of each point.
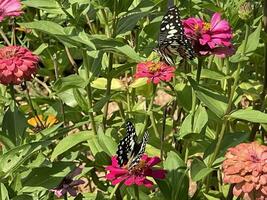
(50, 6)
(184, 96)
(252, 43)
(70, 141)
(211, 74)
(6, 141)
(128, 22)
(199, 170)
(200, 120)
(14, 158)
(138, 83)
(48, 177)
(216, 102)
(173, 161)
(14, 124)
(48, 27)
(69, 82)
(79, 96)
(3, 192)
(101, 83)
(250, 115)
(107, 143)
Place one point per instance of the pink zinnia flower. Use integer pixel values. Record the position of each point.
(246, 167)
(67, 184)
(16, 64)
(210, 38)
(9, 8)
(138, 175)
(155, 72)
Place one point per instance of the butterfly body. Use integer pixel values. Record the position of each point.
(172, 39)
(129, 151)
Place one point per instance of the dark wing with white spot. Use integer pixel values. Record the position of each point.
(126, 145)
(172, 40)
(139, 150)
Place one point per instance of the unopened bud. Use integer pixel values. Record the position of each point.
(245, 10)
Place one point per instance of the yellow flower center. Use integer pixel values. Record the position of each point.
(206, 26)
(154, 67)
(139, 168)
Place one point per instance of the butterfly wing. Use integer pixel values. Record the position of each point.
(127, 145)
(172, 40)
(139, 150)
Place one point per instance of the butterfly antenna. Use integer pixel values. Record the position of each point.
(170, 3)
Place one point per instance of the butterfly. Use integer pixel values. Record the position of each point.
(129, 150)
(172, 39)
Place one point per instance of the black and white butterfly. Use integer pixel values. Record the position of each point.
(129, 150)
(172, 39)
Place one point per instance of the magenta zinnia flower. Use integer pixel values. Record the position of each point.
(210, 38)
(155, 72)
(16, 64)
(246, 167)
(9, 8)
(138, 175)
(67, 184)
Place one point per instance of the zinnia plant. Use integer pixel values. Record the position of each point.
(17, 64)
(212, 37)
(138, 175)
(9, 8)
(154, 72)
(246, 167)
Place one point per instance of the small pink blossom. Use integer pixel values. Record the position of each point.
(136, 176)
(16, 64)
(9, 8)
(67, 184)
(212, 37)
(155, 72)
(245, 166)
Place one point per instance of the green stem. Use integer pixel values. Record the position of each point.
(211, 58)
(221, 134)
(111, 34)
(89, 91)
(4, 37)
(153, 122)
(66, 196)
(56, 70)
(108, 91)
(150, 106)
(136, 192)
(32, 108)
(114, 190)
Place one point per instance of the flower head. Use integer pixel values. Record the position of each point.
(212, 37)
(67, 184)
(138, 174)
(41, 122)
(9, 8)
(246, 167)
(155, 72)
(16, 64)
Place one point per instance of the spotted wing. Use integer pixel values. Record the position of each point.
(127, 145)
(139, 150)
(172, 39)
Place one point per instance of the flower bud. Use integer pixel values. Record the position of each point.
(245, 10)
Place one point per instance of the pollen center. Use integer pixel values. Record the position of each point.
(206, 26)
(139, 168)
(154, 67)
